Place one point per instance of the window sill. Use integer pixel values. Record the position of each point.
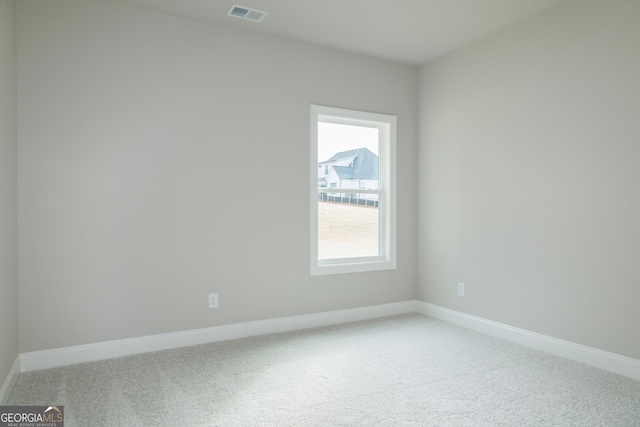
(328, 267)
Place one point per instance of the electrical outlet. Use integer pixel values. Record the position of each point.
(213, 300)
(461, 289)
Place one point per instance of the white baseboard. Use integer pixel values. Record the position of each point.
(111, 349)
(126, 347)
(607, 361)
(10, 382)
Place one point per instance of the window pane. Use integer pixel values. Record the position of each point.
(348, 225)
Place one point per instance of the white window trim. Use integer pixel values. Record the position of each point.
(387, 155)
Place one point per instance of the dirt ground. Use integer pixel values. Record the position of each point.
(346, 231)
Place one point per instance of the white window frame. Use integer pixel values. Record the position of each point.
(386, 190)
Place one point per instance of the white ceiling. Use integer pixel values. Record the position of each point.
(407, 31)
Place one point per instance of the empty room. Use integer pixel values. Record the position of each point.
(357, 213)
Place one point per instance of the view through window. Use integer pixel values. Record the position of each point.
(348, 220)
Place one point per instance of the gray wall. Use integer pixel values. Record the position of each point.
(152, 148)
(8, 191)
(530, 176)
(134, 125)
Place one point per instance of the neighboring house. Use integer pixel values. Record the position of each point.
(351, 170)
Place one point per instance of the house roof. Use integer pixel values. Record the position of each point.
(345, 154)
(365, 164)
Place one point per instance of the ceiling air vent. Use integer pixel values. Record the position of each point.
(247, 13)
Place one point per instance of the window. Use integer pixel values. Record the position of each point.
(353, 230)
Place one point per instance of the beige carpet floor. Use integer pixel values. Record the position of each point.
(408, 370)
